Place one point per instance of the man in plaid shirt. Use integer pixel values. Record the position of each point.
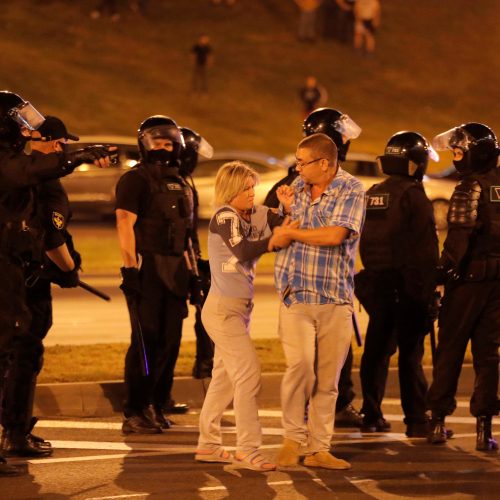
(314, 277)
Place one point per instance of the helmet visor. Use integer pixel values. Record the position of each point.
(454, 138)
(205, 149)
(152, 136)
(25, 115)
(346, 126)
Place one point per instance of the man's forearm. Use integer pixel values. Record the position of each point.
(126, 238)
(321, 236)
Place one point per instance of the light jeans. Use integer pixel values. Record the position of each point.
(316, 340)
(235, 375)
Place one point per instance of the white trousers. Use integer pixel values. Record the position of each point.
(235, 375)
(316, 340)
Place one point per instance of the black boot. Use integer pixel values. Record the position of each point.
(15, 443)
(42, 443)
(155, 415)
(485, 441)
(437, 431)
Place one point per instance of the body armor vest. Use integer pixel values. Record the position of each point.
(168, 221)
(483, 256)
(384, 239)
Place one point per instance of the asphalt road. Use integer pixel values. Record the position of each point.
(93, 461)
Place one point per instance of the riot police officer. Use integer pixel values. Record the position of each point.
(154, 212)
(399, 252)
(19, 175)
(52, 214)
(196, 146)
(470, 270)
(341, 129)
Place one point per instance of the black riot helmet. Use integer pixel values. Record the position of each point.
(336, 125)
(16, 114)
(150, 131)
(195, 145)
(478, 144)
(407, 153)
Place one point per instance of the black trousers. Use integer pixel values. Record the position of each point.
(27, 360)
(346, 391)
(161, 314)
(396, 323)
(470, 311)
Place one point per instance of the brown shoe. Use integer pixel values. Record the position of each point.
(288, 454)
(326, 460)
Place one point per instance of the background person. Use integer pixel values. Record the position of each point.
(399, 252)
(366, 23)
(314, 278)
(312, 95)
(202, 54)
(195, 146)
(470, 270)
(154, 217)
(238, 234)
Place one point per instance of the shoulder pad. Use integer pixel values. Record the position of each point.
(464, 203)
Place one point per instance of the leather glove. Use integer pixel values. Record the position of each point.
(203, 266)
(89, 154)
(131, 283)
(68, 279)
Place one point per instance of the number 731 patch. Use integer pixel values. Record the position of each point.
(378, 201)
(495, 193)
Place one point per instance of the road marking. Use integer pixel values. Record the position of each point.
(119, 496)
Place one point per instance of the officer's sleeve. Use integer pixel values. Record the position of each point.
(20, 170)
(274, 218)
(131, 192)
(227, 225)
(462, 219)
(54, 211)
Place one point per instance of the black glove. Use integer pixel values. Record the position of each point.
(68, 279)
(131, 283)
(203, 266)
(89, 154)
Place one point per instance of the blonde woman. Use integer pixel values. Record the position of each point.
(239, 233)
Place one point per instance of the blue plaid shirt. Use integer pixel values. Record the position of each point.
(313, 274)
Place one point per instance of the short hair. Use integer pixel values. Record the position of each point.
(321, 144)
(231, 180)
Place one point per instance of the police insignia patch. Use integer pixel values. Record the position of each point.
(377, 201)
(495, 193)
(57, 220)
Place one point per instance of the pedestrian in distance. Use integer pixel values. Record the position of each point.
(154, 215)
(202, 54)
(314, 278)
(469, 268)
(399, 252)
(239, 233)
(312, 95)
(366, 23)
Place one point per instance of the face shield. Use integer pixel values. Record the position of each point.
(454, 138)
(151, 137)
(205, 149)
(26, 116)
(432, 153)
(347, 127)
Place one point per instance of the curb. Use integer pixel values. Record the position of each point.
(104, 399)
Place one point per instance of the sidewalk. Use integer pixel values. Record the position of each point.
(104, 399)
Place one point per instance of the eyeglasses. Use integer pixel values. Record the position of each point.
(300, 164)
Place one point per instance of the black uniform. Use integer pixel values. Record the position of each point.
(164, 207)
(52, 212)
(399, 251)
(471, 303)
(20, 249)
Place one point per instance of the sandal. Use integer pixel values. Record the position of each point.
(216, 455)
(255, 461)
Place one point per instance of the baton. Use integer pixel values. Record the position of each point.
(93, 290)
(137, 332)
(357, 334)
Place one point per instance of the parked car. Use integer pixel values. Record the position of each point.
(91, 190)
